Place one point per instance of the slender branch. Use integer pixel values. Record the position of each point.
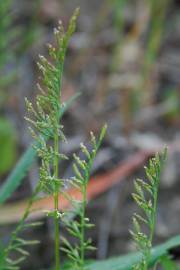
(14, 235)
(56, 204)
(82, 239)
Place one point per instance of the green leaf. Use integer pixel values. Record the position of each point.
(2, 257)
(8, 149)
(127, 261)
(167, 263)
(24, 164)
(17, 175)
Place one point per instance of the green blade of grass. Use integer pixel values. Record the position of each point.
(167, 263)
(127, 261)
(19, 172)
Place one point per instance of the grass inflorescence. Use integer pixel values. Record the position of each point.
(146, 197)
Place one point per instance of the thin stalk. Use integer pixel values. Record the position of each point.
(153, 222)
(57, 233)
(154, 215)
(82, 240)
(56, 203)
(152, 228)
(56, 174)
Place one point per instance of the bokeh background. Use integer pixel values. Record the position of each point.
(125, 60)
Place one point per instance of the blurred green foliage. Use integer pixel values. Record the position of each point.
(7, 34)
(7, 145)
(172, 96)
(7, 132)
(168, 263)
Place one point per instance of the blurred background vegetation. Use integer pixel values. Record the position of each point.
(125, 60)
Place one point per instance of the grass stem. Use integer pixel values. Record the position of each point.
(56, 203)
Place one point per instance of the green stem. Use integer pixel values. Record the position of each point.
(154, 215)
(56, 203)
(153, 223)
(57, 243)
(56, 174)
(82, 240)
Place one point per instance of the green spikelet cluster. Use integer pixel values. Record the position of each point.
(146, 198)
(46, 115)
(77, 228)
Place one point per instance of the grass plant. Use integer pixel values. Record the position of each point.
(47, 131)
(47, 122)
(77, 228)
